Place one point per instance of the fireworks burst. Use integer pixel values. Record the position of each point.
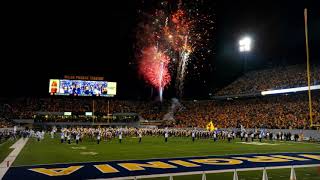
(154, 68)
(169, 37)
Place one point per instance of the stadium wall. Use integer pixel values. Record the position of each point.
(11, 129)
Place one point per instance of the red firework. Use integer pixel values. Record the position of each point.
(153, 67)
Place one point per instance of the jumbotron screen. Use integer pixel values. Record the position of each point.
(82, 88)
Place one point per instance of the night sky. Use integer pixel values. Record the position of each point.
(49, 41)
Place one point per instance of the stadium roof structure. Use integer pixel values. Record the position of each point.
(268, 92)
(290, 90)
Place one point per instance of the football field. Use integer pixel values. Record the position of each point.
(51, 151)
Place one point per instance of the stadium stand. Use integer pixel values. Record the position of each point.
(281, 111)
(26, 108)
(5, 123)
(273, 111)
(273, 78)
(278, 111)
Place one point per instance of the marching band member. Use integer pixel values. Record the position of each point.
(62, 136)
(140, 136)
(166, 135)
(69, 138)
(120, 136)
(229, 137)
(77, 138)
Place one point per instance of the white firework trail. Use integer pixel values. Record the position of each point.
(184, 57)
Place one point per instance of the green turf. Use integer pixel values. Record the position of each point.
(51, 151)
(5, 149)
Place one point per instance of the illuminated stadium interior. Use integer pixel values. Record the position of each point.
(161, 89)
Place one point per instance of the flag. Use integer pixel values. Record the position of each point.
(210, 126)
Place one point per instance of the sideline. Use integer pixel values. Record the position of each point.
(7, 162)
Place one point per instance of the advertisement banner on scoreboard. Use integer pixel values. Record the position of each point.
(54, 86)
(82, 88)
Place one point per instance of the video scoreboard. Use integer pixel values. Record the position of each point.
(70, 87)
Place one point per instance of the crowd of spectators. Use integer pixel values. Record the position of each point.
(4, 123)
(273, 78)
(278, 111)
(281, 111)
(26, 108)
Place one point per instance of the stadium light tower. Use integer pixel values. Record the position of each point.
(245, 45)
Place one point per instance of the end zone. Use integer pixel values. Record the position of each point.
(140, 168)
